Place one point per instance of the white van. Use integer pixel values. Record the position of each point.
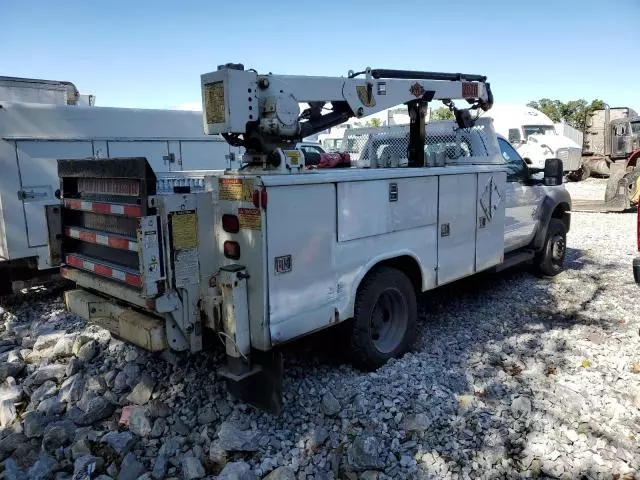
(535, 137)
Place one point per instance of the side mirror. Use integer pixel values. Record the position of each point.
(553, 171)
(527, 160)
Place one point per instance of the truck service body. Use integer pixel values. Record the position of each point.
(34, 135)
(32, 90)
(282, 247)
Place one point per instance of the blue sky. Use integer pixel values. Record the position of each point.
(150, 54)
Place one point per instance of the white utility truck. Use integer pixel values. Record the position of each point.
(282, 247)
(35, 133)
(534, 135)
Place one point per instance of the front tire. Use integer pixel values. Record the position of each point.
(550, 260)
(384, 318)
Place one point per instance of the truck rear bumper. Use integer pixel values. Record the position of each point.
(636, 269)
(142, 330)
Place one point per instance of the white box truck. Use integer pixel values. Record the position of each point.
(34, 135)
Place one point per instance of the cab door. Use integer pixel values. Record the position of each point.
(520, 222)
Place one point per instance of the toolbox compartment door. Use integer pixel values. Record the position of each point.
(456, 226)
(301, 273)
(37, 161)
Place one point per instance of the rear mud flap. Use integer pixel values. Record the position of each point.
(261, 386)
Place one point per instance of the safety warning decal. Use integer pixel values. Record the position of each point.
(250, 218)
(186, 268)
(294, 157)
(184, 229)
(214, 102)
(365, 96)
(240, 189)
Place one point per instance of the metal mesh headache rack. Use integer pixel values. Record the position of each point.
(445, 144)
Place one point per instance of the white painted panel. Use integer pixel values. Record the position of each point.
(154, 151)
(363, 209)
(417, 203)
(490, 233)
(12, 224)
(204, 155)
(39, 178)
(457, 209)
(520, 222)
(355, 258)
(303, 299)
(367, 209)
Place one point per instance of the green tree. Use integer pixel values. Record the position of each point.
(442, 113)
(574, 112)
(373, 122)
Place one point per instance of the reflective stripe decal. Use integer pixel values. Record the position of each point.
(113, 241)
(107, 271)
(104, 208)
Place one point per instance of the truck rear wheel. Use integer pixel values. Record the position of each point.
(384, 318)
(550, 260)
(581, 174)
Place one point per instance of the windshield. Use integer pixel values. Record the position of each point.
(635, 127)
(538, 129)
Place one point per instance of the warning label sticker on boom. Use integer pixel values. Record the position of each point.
(250, 218)
(184, 229)
(240, 189)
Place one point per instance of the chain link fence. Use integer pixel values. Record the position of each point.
(445, 144)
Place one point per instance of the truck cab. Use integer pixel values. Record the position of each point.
(528, 204)
(625, 137)
(534, 136)
(611, 134)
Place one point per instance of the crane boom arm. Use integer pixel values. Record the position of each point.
(262, 112)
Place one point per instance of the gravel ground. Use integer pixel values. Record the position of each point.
(511, 376)
(590, 189)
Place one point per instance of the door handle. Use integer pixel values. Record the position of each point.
(30, 194)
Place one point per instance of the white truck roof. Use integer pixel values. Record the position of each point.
(510, 114)
(42, 122)
(32, 90)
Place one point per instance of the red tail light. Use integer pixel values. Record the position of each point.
(638, 228)
(230, 223)
(232, 250)
(263, 198)
(260, 198)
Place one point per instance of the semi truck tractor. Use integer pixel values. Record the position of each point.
(292, 242)
(611, 147)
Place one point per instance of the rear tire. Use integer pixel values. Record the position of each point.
(581, 174)
(632, 185)
(384, 318)
(550, 260)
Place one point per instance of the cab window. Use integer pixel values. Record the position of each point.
(311, 149)
(516, 168)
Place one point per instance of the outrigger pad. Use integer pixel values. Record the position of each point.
(262, 385)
